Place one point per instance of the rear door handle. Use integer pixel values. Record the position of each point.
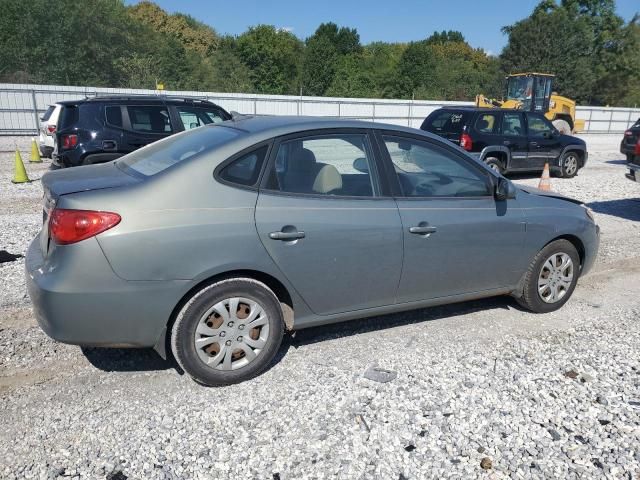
(286, 236)
(423, 230)
(533, 144)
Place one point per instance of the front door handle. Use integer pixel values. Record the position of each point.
(423, 230)
(286, 236)
(533, 144)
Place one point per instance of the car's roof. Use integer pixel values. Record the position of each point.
(282, 125)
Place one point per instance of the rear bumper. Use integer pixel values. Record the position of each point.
(78, 299)
(634, 172)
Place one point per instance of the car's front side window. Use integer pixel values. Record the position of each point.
(538, 126)
(332, 165)
(427, 170)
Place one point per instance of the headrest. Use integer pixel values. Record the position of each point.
(302, 160)
(327, 180)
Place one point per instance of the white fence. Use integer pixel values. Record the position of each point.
(21, 106)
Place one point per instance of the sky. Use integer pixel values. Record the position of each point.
(480, 21)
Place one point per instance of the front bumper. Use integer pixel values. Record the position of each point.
(78, 299)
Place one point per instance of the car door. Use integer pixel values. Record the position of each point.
(544, 141)
(457, 238)
(514, 137)
(321, 217)
(145, 124)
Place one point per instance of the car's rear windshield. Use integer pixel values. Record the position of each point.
(48, 113)
(165, 153)
(445, 121)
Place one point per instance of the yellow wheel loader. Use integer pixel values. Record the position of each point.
(533, 92)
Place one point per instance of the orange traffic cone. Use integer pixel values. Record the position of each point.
(545, 179)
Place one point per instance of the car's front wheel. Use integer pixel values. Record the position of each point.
(570, 164)
(228, 332)
(551, 278)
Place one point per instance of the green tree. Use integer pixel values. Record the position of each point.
(323, 53)
(193, 35)
(272, 56)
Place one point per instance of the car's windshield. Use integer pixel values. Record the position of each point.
(165, 153)
(520, 88)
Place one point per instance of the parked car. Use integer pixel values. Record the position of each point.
(509, 140)
(48, 127)
(216, 240)
(630, 146)
(101, 129)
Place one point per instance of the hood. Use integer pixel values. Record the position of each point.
(544, 193)
(81, 179)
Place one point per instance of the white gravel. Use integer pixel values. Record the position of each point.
(540, 396)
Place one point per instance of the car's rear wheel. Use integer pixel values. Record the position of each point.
(228, 332)
(495, 164)
(570, 164)
(551, 278)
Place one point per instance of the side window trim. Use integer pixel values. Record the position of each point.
(378, 181)
(216, 171)
(392, 177)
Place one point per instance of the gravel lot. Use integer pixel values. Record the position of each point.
(479, 384)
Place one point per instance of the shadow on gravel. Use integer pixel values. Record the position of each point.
(140, 360)
(616, 162)
(628, 208)
(127, 359)
(370, 324)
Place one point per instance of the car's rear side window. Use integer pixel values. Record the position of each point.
(445, 121)
(114, 115)
(246, 169)
(486, 123)
(160, 155)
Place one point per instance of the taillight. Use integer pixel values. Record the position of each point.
(69, 141)
(51, 129)
(71, 226)
(465, 142)
(637, 150)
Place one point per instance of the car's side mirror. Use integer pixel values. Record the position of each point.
(504, 189)
(361, 165)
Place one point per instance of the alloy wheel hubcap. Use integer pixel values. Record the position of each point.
(555, 278)
(231, 334)
(570, 165)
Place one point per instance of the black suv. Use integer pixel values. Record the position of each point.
(101, 129)
(630, 146)
(509, 140)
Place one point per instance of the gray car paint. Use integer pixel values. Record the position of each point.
(181, 227)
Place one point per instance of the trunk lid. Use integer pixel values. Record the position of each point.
(74, 180)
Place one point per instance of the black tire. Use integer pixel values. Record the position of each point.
(495, 164)
(184, 331)
(531, 298)
(570, 164)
